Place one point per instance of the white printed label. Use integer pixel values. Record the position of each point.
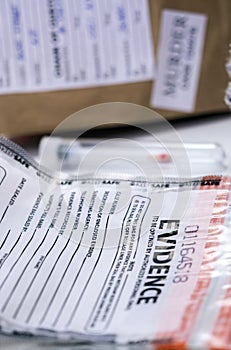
(50, 45)
(179, 59)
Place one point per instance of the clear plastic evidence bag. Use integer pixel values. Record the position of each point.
(114, 259)
(71, 156)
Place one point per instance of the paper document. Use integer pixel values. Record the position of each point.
(50, 45)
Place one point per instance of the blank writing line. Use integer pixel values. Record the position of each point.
(59, 284)
(38, 297)
(92, 272)
(33, 279)
(4, 213)
(5, 239)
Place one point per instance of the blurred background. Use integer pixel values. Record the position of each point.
(58, 57)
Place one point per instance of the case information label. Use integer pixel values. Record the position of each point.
(180, 52)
